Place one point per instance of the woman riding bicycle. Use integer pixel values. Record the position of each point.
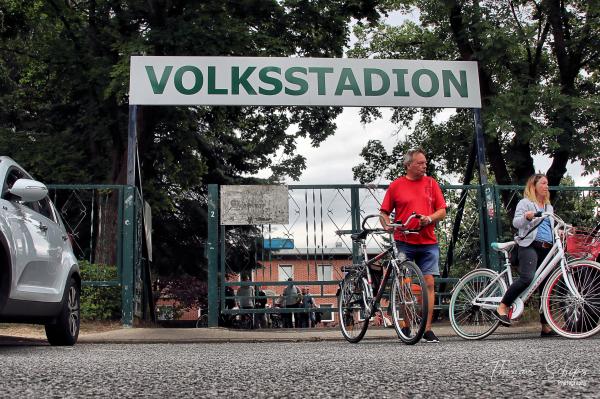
(535, 238)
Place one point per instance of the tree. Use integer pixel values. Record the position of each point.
(63, 106)
(538, 69)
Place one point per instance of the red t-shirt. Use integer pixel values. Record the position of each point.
(422, 196)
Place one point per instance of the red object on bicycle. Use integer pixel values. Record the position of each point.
(583, 243)
(416, 290)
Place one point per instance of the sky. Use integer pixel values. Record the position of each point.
(315, 215)
(314, 220)
(332, 161)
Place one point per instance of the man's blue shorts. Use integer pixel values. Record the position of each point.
(426, 256)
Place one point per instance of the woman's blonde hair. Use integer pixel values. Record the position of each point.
(529, 192)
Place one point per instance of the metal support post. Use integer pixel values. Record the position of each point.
(488, 213)
(355, 216)
(127, 271)
(132, 144)
(212, 254)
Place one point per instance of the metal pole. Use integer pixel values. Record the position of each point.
(212, 254)
(487, 209)
(460, 210)
(355, 217)
(480, 146)
(131, 144)
(127, 273)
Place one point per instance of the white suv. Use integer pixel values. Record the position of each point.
(39, 275)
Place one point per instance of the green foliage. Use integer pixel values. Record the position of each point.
(538, 68)
(576, 207)
(64, 78)
(99, 303)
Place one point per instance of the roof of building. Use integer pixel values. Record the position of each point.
(336, 251)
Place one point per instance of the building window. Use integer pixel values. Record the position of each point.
(285, 272)
(324, 273)
(326, 312)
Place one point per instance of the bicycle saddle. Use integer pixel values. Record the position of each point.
(359, 236)
(503, 246)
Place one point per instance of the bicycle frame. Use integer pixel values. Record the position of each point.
(371, 299)
(555, 256)
(391, 264)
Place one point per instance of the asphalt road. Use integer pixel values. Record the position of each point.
(502, 366)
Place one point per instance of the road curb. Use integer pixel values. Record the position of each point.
(222, 335)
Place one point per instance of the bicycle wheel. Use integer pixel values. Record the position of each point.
(409, 303)
(568, 315)
(351, 308)
(471, 321)
(202, 321)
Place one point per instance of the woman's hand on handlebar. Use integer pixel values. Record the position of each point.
(530, 215)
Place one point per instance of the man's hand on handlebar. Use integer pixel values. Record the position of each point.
(424, 220)
(384, 218)
(402, 227)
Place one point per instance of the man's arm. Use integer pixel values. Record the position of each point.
(384, 219)
(436, 216)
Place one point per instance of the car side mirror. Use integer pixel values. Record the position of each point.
(28, 190)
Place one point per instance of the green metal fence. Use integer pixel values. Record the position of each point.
(105, 226)
(316, 214)
(476, 216)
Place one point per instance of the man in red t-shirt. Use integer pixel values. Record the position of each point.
(418, 193)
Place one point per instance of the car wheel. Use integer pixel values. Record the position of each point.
(66, 329)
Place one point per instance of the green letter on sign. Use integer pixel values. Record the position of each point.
(179, 80)
(448, 77)
(348, 76)
(212, 82)
(400, 73)
(385, 82)
(237, 80)
(416, 83)
(301, 83)
(158, 87)
(265, 78)
(320, 71)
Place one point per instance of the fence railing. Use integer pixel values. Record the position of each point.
(318, 212)
(104, 223)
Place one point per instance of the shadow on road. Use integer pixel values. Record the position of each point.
(8, 341)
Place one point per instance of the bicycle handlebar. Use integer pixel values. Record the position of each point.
(560, 224)
(401, 226)
(541, 214)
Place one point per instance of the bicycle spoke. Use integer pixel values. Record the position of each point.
(469, 319)
(351, 310)
(575, 316)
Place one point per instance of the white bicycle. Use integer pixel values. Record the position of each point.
(570, 299)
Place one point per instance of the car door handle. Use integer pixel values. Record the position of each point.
(43, 227)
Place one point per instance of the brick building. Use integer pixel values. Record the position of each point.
(318, 269)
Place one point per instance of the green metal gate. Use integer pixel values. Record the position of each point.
(316, 214)
(105, 225)
(476, 217)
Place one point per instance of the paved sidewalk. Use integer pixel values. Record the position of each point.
(223, 335)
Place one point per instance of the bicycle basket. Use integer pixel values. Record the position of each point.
(583, 243)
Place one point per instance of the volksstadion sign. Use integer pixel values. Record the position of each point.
(303, 81)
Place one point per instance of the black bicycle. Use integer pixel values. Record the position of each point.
(358, 300)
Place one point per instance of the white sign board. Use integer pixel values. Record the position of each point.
(303, 81)
(246, 205)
